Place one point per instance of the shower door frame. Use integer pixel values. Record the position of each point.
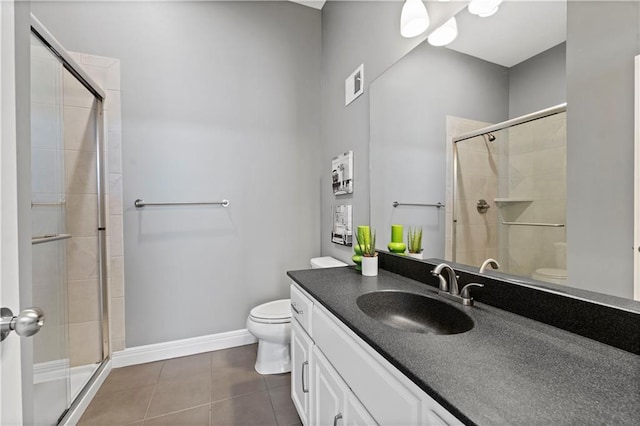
(636, 180)
(39, 31)
(558, 109)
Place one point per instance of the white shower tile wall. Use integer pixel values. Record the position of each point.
(106, 73)
(537, 171)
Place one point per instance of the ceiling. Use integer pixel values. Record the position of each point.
(518, 31)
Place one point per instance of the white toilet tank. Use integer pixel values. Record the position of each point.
(326, 262)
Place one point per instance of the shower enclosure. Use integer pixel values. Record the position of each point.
(510, 194)
(68, 228)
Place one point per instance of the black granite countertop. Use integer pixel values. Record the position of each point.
(507, 370)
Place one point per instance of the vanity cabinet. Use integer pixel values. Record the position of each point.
(301, 346)
(333, 401)
(349, 382)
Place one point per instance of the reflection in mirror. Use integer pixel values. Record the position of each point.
(434, 94)
(510, 196)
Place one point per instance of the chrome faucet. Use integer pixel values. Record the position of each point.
(449, 288)
(489, 262)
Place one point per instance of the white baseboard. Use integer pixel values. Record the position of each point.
(184, 347)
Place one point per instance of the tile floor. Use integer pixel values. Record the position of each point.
(214, 388)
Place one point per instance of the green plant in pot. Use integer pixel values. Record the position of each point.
(367, 246)
(414, 242)
(363, 235)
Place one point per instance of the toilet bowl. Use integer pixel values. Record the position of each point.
(270, 323)
(557, 275)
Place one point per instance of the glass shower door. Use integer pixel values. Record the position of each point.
(51, 369)
(68, 273)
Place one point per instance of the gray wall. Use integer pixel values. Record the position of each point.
(539, 82)
(409, 107)
(600, 125)
(354, 33)
(219, 100)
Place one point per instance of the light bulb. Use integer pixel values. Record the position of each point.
(414, 19)
(445, 34)
(484, 8)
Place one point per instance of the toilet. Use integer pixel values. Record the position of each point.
(557, 275)
(270, 323)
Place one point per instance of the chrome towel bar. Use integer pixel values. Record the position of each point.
(438, 205)
(139, 203)
(36, 203)
(49, 237)
(553, 225)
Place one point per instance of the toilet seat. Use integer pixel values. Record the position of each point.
(276, 312)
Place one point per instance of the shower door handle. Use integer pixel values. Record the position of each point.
(25, 324)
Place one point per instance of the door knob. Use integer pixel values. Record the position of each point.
(25, 324)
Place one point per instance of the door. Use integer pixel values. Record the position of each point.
(356, 414)
(10, 351)
(301, 345)
(329, 395)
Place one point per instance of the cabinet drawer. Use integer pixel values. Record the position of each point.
(385, 397)
(301, 308)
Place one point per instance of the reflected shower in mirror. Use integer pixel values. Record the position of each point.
(510, 196)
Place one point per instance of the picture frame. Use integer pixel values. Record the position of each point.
(342, 173)
(342, 230)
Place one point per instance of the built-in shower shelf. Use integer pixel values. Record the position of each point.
(507, 201)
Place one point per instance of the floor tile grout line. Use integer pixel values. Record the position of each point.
(273, 408)
(239, 395)
(178, 411)
(155, 387)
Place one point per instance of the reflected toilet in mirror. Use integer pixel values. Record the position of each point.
(557, 274)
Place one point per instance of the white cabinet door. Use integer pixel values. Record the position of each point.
(355, 414)
(327, 406)
(333, 403)
(301, 345)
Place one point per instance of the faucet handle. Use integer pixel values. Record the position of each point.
(465, 293)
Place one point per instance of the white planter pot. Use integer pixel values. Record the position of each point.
(369, 266)
(416, 255)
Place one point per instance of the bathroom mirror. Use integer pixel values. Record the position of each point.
(489, 77)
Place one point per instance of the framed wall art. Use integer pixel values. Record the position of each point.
(342, 232)
(342, 173)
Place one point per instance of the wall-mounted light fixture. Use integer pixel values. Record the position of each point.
(484, 8)
(414, 19)
(444, 34)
